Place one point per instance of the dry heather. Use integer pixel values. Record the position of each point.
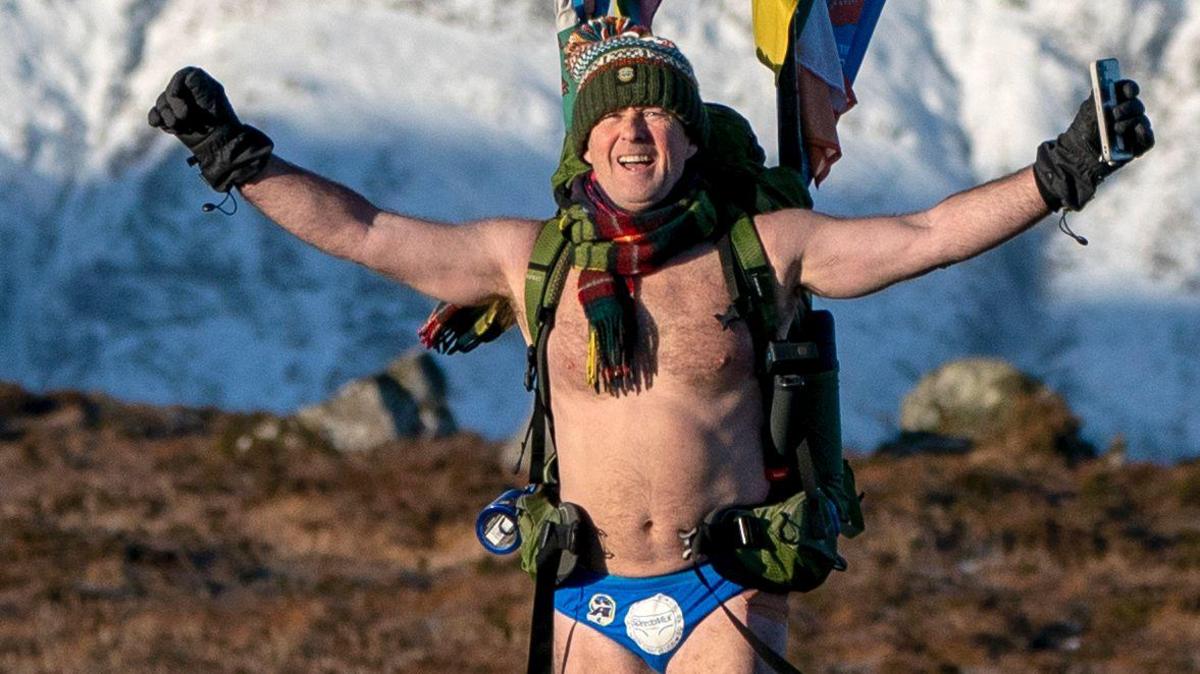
(136, 539)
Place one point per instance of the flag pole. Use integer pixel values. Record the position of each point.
(791, 134)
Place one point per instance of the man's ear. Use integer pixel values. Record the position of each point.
(587, 156)
(691, 150)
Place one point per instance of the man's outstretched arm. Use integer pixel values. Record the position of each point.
(852, 257)
(842, 258)
(461, 264)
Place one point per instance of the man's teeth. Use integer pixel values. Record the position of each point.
(625, 160)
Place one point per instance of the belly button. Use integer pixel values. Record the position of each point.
(647, 526)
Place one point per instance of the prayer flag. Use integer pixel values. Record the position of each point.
(771, 20)
(639, 11)
(833, 40)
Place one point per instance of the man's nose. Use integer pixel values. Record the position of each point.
(633, 127)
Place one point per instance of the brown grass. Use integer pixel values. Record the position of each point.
(136, 539)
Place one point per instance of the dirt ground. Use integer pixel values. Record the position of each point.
(140, 539)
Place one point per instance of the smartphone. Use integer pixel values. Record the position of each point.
(1105, 75)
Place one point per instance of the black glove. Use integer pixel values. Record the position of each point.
(1068, 169)
(194, 109)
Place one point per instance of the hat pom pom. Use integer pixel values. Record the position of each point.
(607, 28)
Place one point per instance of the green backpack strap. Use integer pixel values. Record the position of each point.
(543, 267)
(751, 284)
(544, 280)
(757, 272)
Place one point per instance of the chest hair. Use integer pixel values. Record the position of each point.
(680, 340)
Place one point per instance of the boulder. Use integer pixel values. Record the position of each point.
(987, 402)
(407, 399)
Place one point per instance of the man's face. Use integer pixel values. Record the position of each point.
(637, 155)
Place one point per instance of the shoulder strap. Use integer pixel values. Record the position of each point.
(544, 280)
(750, 281)
(758, 276)
(546, 252)
(751, 284)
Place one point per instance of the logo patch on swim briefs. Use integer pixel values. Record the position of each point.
(655, 624)
(601, 609)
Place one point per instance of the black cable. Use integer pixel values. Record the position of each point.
(1066, 229)
(209, 207)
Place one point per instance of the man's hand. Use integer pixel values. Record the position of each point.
(194, 108)
(1068, 169)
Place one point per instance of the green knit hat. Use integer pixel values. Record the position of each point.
(612, 63)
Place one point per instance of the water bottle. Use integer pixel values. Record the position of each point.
(496, 527)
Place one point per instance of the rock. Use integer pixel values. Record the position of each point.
(986, 401)
(407, 399)
(418, 374)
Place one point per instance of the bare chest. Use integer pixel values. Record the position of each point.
(680, 340)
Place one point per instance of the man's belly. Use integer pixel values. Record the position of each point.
(647, 471)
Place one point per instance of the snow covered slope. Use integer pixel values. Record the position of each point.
(111, 278)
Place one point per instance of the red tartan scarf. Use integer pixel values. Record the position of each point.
(610, 247)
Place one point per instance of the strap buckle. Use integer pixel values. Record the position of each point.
(729, 528)
(787, 357)
(745, 533)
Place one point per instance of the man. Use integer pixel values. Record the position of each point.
(655, 402)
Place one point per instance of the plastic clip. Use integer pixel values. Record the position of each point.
(688, 538)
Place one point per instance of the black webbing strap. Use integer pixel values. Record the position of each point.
(764, 651)
(541, 405)
(541, 630)
(537, 443)
(558, 539)
(545, 287)
(808, 472)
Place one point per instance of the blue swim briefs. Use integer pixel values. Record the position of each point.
(650, 617)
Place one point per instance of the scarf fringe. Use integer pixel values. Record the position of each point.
(610, 334)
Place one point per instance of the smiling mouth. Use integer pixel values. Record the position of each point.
(634, 160)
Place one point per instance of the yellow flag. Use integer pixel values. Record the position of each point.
(771, 21)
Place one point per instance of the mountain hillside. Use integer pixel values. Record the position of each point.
(113, 280)
(143, 539)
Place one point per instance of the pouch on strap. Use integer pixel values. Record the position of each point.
(546, 526)
(781, 547)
